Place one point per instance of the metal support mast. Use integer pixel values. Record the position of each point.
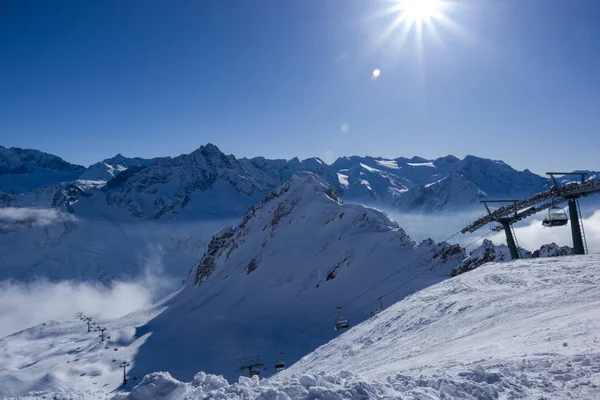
(124, 365)
(510, 239)
(578, 247)
(252, 364)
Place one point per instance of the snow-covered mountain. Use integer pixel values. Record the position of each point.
(24, 170)
(292, 259)
(521, 330)
(107, 169)
(446, 183)
(204, 183)
(209, 182)
(270, 284)
(299, 251)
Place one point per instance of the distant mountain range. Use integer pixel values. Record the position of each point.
(123, 216)
(207, 182)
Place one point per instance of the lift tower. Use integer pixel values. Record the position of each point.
(506, 221)
(574, 216)
(546, 200)
(252, 364)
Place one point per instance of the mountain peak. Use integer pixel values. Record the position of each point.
(210, 148)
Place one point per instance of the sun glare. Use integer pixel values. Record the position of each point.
(419, 10)
(419, 20)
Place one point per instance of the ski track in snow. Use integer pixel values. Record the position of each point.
(520, 330)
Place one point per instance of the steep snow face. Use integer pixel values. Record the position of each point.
(264, 286)
(525, 329)
(23, 170)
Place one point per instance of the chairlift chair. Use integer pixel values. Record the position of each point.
(556, 217)
(378, 310)
(280, 365)
(341, 323)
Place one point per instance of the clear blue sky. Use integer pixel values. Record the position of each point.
(517, 80)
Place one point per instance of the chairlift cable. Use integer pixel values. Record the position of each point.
(387, 277)
(412, 279)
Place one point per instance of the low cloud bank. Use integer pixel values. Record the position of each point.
(25, 305)
(534, 235)
(437, 226)
(33, 216)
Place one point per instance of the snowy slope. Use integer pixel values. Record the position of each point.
(23, 170)
(519, 330)
(298, 252)
(526, 329)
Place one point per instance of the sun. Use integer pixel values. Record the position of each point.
(421, 20)
(419, 10)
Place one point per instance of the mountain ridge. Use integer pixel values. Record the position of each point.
(207, 181)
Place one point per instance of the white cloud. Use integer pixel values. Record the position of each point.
(32, 216)
(26, 305)
(534, 235)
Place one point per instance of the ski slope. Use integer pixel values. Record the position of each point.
(521, 330)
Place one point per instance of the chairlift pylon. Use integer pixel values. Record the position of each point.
(340, 323)
(252, 364)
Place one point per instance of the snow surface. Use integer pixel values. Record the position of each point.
(436, 182)
(527, 329)
(343, 179)
(427, 164)
(389, 164)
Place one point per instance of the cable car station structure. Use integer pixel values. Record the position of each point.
(505, 216)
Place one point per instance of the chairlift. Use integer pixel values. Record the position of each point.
(341, 323)
(556, 217)
(380, 309)
(280, 365)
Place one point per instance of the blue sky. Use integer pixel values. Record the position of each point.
(516, 80)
